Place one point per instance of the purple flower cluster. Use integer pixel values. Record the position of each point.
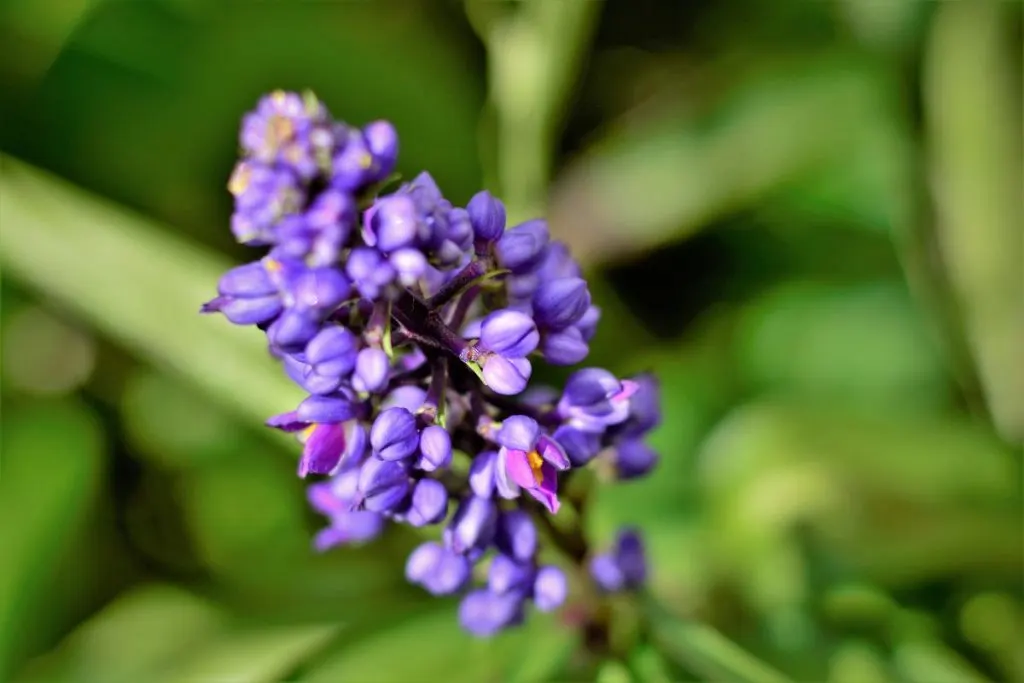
(412, 325)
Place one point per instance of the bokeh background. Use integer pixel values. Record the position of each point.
(806, 217)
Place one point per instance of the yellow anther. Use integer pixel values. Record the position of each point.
(240, 178)
(533, 457)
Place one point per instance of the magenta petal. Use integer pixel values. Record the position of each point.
(518, 466)
(546, 491)
(323, 449)
(629, 387)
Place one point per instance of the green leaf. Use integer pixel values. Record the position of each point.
(974, 132)
(138, 284)
(52, 474)
(434, 647)
(143, 632)
(706, 652)
(254, 655)
(768, 133)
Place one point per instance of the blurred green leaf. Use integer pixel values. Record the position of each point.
(706, 652)
(52, 462)
(974, 131)
(926, 661)
(899, 498)
(767, 133)
(434, 647)
(262, 654)
(866, 345)
(649, 666)
(142, 633)
(857, 662)
(138, 284)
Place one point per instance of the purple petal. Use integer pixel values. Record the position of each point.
(510, 333)
(371, 370)
(546, 490)
(516, 535)
(483, 613)
(332, 408)
(394, 435)
(429, 503)
(482, 474)
(566, 347)
(552, 453)
(519, 432)
(506, 574)
(549, 589)
(422, 561)
(506, 376)
(558, 304)
(288, 422)
(435, 449)
(506, 488)
(607, 574)
(322, 450)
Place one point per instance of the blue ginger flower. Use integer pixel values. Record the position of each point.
(413, 325)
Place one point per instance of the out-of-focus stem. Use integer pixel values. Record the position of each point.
(534, 57)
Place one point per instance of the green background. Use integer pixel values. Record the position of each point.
(805, 217)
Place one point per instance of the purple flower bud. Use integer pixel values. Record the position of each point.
(484, 613)
(337, 407)
(606, 573)
(382, 140)
(370, 271)
(644, 407)
(293, 330)
(487, 215)
(383, 485)
(565, 347)
(409, 397)
(506, 574)
(516, 536)
(481, 474)
(460, 229)
(321, 290)
(437, 569)
(429, 503)
(435, 449)
(581, 447)
(394, 435)
(557, 304)
(511, 333)
(473, 525)
(558, 263)
(595, 399)
(394, 223)
(409, 265)
(506, 376)
(634, 458)
(371, 371)
(250, 280)
(330, 357)
(248, 295)
(349, 527)
(521, 248)
(245, 311)
(352, 166)
(630, 555)
(549, 589)
(587, 325)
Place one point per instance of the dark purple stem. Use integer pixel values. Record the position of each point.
(451, 289)
(425, 324)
